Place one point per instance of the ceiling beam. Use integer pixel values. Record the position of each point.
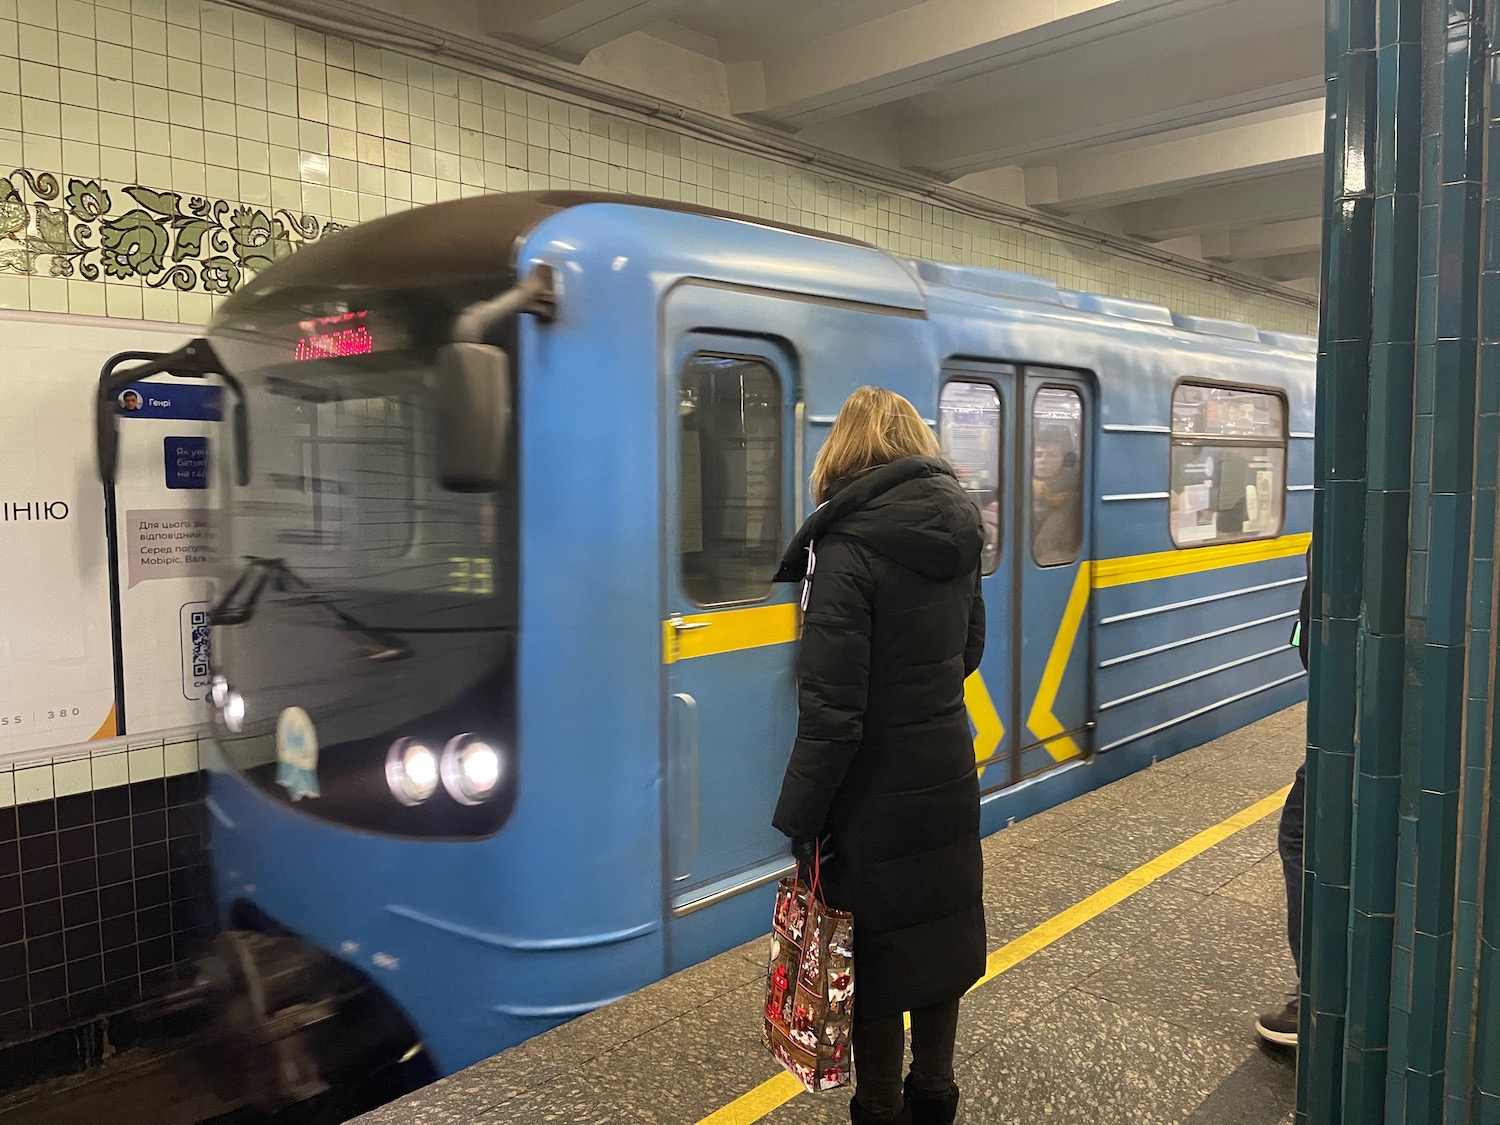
(1270, 199)
(927, 45)
(1175, 162)
(1277, 70)
(570, 29)
(1295, 236)
(1289, 267)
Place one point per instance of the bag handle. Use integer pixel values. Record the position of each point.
(815, 887)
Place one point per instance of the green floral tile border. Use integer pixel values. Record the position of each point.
(75, 228)
(160, 238)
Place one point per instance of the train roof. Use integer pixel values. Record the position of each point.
(458, 240)
(1011, 286)
(476, 238)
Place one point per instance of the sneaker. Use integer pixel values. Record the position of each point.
(1280, 1027)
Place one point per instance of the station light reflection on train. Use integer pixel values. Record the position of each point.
(229, 703)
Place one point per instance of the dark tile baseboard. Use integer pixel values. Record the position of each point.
(104, 897)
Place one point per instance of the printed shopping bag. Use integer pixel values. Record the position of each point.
(810, 986)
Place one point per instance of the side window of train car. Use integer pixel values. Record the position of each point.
(1228, 464)
(730, 502)
(1056, 476)
(969, 432)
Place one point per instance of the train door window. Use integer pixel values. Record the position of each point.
(1056, 476)
(969, 432)
(1228, 464)
(730, 499)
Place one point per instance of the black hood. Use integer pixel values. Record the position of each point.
(912, 511)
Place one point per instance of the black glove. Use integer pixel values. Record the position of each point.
(803, 851)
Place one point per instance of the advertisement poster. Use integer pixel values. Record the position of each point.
(56, 659)
(167, 551)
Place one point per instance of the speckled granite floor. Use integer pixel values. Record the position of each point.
(1141, 1015)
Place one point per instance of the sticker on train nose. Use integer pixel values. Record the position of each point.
(297, 754)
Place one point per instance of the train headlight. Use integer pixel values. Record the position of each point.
(411, 771)
(471, 769)
(233, 710)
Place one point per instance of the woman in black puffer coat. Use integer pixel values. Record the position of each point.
(882, 774)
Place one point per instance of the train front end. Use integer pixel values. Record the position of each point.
(365, 640)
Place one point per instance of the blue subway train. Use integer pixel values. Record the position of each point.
(503, 688)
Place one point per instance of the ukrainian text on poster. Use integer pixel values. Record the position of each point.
(169, 543)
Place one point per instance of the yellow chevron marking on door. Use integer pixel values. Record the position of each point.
(1043, 723)
(988, 729)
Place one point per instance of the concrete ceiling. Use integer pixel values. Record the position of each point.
(1193, 124)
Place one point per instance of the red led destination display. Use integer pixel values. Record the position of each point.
(333, 337)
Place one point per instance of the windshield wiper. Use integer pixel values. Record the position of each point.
(223, 612)
(276, 573)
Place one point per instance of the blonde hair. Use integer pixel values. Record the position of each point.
(874, 427)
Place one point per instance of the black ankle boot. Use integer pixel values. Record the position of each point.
(931, 1109)
(859, 1115)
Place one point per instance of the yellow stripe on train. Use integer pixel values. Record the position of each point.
(1194, 560)
(730, 630)
(1105, 573)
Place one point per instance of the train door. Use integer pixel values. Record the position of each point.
(1051, 567)
(976, 429)
(731, 440)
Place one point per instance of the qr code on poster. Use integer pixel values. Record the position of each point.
(197, 650)
(199, 624)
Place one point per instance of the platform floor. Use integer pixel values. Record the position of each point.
(1129, 979)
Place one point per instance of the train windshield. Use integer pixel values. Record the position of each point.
(358, 590)
(343, 497)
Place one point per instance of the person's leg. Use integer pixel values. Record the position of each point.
(1281, 1026)
(933, 1031)
(879, 1051)
(1289, 842)
(930, 1089)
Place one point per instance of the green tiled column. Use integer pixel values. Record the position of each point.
(1468, 1019)
(1441, 556)
(1479, 902)
(1382, 637)
(1401, 1012)
(1344, 358)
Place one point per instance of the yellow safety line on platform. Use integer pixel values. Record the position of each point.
(773, 1093)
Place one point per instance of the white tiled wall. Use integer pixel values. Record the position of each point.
(202, 100)
(108, 764)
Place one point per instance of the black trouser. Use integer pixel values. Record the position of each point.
(1289, 840)
(880, 1049)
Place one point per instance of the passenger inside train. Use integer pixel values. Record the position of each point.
(1057, 519)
